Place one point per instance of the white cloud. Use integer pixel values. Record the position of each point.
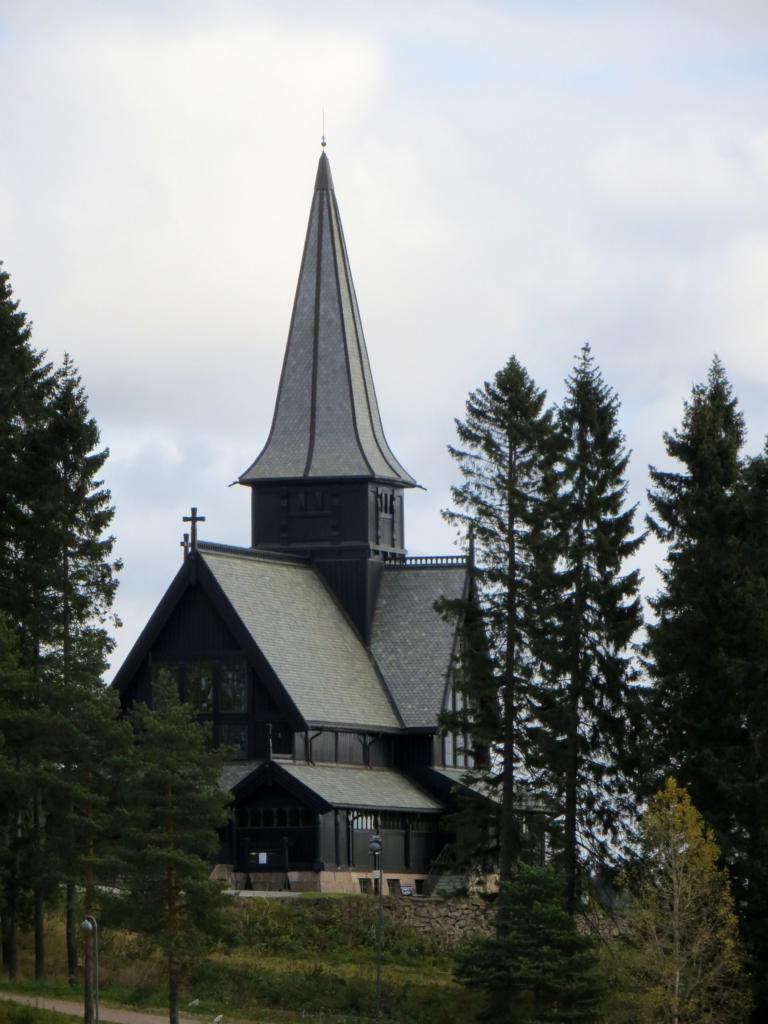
(511, 178)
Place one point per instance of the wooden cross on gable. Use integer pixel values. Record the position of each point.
(193, 519)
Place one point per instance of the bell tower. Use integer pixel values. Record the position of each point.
(326, 485)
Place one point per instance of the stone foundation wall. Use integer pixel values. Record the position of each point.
(449, 920)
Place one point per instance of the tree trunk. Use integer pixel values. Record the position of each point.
(508, 845)
(173, 990)
(88, 952)
(71, 934)
(9, 933)
(173, 967)
(571, 788)
(574, 698)
(39, 935)
(88, 989)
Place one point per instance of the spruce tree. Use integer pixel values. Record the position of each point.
(693, 645)
(543, 970)
(57, 579)
(25, 384)
(583, 690)
(27, 733)
(708, 649)
(504, 444)
(173, 808)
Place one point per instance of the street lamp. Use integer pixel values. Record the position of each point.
(90, 928)
(374, 848)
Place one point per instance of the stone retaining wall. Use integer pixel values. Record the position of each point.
(449, 920)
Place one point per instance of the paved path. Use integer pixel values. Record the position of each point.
(113, 1014)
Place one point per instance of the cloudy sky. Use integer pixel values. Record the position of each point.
(513, 177)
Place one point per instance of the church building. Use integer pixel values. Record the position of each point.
(315, 654)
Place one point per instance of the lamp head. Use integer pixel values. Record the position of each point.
(374, 845)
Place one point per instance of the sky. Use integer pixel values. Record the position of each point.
(513, 178)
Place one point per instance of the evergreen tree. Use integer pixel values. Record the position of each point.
(583, 693)
(708, 649)
(505, 441)
(78, 598)
(542, 969)
(57, 581)
(25, 383)
(27, 731)
(173, 808)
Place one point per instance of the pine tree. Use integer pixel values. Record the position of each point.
(505, 441)
(173, 808)
(583, 693)
(708, 649)
(542, 969)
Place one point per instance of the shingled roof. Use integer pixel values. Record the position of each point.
(412, 644)
(306, 638)
(326, 421)
(339, 785)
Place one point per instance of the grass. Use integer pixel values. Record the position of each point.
(293, 960)
(16, 1013)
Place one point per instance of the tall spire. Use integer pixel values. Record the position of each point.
(326, 421)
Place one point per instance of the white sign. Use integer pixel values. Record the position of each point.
(262, 857)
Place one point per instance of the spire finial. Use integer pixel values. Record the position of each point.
(322, 139)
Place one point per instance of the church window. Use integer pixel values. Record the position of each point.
(282, 739)
(233, 693)
(235, 736)
(267, 817)
(363, 821)
(448, 759)
(199, 680)
(303, 502)
(391, 821)
(281, 817)
(166, 670)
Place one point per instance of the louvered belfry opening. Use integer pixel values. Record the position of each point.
(326, 484)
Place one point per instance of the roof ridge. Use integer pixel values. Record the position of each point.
(257, 554)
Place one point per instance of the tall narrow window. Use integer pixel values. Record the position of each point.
(199, 680)
(234, 735)
(233, 692)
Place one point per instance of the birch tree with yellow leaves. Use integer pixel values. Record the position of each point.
(687, 961)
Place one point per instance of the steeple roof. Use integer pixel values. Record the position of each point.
(326, 421)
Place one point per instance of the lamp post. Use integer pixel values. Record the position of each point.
(374, 847)
(90, 929)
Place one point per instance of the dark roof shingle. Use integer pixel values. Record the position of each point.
(412, 644)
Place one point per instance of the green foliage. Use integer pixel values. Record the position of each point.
(708, 650)
(334, 928)
(542, 969)
(680, 957)
(583, 694)
(173, 807)
(57, 584)
(505, 440)
(15, 1013)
